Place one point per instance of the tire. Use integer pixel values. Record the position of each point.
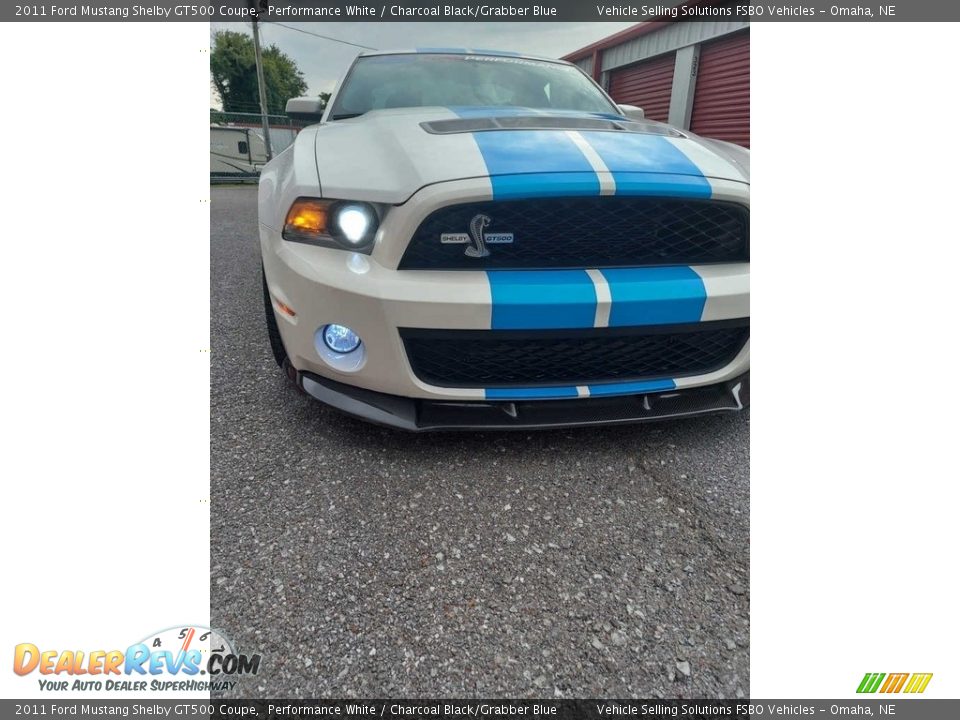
(273, 332)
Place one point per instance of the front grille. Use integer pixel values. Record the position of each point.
(595, 232)
(504, 358)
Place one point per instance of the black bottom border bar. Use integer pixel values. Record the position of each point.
(79, 705)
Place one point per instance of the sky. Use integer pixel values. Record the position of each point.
(322, 61)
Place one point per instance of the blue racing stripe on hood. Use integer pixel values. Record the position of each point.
(559, 184)
(530, 163)
(535, 163)
(541, 299)
(655, 295)
(548, 163)
(644, 164)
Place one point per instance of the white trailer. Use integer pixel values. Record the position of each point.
(236, 151)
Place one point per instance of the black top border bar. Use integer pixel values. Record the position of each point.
(462, 11)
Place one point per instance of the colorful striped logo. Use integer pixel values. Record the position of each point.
(894, 682)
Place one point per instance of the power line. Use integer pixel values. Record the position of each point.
(324, 37)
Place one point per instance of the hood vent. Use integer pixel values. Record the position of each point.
(543, 122)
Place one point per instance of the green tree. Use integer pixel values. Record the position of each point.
(233, 69)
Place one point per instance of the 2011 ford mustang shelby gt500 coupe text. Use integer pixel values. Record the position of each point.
(472, 239)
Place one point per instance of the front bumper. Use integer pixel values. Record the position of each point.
(370, 295)
(419, 415)
(378, 301)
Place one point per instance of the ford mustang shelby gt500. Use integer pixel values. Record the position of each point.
(471, 239)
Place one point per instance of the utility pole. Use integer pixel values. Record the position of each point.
(263, 90)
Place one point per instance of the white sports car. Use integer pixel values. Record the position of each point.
(473, 239)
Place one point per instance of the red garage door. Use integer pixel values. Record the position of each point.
(647, 84)
(721, 102)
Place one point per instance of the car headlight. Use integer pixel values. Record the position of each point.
(354, 222)
(332, 223)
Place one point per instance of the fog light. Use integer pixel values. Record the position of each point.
(340, 339)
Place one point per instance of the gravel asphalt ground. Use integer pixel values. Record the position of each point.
(364, 562)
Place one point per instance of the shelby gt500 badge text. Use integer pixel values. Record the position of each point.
(478, 237)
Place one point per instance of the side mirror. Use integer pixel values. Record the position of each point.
(631, 111)
(305, 108)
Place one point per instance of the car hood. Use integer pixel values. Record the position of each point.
(387, 155)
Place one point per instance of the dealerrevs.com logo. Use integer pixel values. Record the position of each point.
(182, 659)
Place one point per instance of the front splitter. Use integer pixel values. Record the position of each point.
(418, 415)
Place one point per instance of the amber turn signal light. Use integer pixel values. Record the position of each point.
(307, 217)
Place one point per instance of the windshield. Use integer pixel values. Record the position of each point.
(422, 80)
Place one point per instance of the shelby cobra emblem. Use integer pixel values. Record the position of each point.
(477, 239)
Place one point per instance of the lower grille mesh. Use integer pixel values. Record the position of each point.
(504, 358)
